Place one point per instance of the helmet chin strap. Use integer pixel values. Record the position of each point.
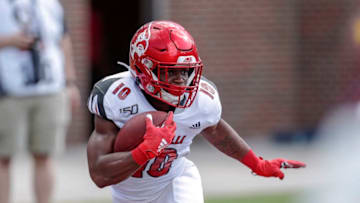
(163, 94)
(170, 97)
(190, 79)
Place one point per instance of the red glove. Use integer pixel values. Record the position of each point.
(156, 139)
(269, 168)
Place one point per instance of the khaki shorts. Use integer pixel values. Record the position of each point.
(39, 123)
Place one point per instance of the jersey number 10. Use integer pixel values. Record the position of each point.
(121, 91)
(161, 164)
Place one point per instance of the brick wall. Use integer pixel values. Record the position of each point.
(77, 17)
(328, 63)
(249, 51)
(279, 65)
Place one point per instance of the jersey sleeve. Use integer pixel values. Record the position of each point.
(97, 102)
(210, 102)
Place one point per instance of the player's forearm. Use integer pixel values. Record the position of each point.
(69, 61)
(113, 168)
(5, 41)
(226, 140)
(107, 168)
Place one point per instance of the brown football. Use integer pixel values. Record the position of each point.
(132, 133)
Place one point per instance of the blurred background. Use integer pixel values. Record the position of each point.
(284, 69)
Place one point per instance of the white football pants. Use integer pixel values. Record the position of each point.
(184, 188)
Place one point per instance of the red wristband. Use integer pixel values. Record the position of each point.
(139, 156)
(250, 160)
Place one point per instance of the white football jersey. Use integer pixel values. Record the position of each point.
(32, 72)
(118, 98)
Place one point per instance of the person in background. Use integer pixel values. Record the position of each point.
(37, 88)
(165, 74)
(337, 138)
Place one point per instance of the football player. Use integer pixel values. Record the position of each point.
(165, 74)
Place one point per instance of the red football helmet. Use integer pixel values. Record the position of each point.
(157, 47)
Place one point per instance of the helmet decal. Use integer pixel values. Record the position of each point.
(186, 59)
(141, 43)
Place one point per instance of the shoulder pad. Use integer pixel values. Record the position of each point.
(96, 98)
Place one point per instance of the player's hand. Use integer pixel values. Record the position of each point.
(272, 168)
(156, 139)
(21, 41)
(269, 168)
